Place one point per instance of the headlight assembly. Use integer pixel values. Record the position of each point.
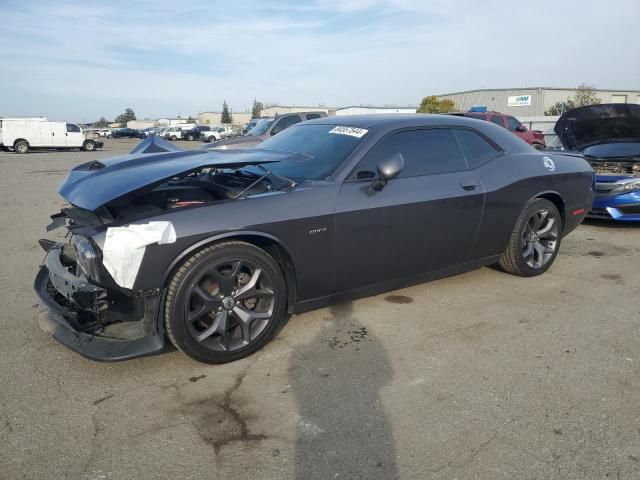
(627, 187)
(87, 257)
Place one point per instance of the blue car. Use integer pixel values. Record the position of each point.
(608, 136)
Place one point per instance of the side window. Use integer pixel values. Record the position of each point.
(71, 127)
(475, 148)
(312, 116)
(497, 119)
(286, 122)
(425, 152)
(512, 124)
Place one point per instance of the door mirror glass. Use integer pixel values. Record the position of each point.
(388, 169)
(521, 128)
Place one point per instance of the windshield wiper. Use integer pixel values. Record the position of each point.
(267, 174)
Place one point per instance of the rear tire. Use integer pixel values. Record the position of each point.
(190, 138)
(535, 240)
(21, 146)
(225, 302)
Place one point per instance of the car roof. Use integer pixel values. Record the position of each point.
(383, 123)
(392, 120)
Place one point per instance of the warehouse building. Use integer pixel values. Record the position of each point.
(529, 102)
(215, 118)
(273, 110)
(370, 110)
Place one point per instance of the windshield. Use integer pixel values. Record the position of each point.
(326, 147)
(260, 127)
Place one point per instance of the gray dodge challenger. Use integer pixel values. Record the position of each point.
(211, 251)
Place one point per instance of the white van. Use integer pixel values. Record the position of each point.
(24, 134)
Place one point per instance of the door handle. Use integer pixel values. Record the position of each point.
(468, 186)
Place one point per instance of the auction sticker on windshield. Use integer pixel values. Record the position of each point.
(351, 131)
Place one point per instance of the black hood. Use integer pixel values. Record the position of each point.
(152, 162)
(598, 124)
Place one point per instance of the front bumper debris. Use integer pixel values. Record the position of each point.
(71, 303)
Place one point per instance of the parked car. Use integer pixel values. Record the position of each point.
(608, 135)
(217, 133)
(249, 125)
(145, 132)
(266, 128)
(175, 132)
(229, 243)
(22, 135)
(535, 138)
(125, 133)
(190, 134)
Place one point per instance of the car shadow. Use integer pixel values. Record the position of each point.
(342, 430)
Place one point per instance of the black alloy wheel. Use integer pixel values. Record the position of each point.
(535, 240)
(225, 302)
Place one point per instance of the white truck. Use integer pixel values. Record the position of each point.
(23, 134)
(216, 133)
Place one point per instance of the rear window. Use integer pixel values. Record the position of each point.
(497, 119)
(475, 148)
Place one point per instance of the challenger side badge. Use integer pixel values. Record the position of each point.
(549, 164)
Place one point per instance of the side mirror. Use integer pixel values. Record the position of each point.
(521, 128)
(388, 169)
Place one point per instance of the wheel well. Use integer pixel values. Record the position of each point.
(272, 247)
(282, 258)
(557, 201)
(20, 140)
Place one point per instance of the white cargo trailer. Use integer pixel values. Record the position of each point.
(23, 134)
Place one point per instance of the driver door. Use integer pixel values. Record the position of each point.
(73, 135)
(424, 220)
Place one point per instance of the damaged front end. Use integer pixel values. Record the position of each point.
(118, 208)
(88, 314)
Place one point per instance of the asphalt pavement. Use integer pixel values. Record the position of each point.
(479, 376)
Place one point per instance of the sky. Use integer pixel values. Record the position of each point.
(80, 60)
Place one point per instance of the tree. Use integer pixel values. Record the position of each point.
(559, 108)
(431, 104)
(191, 119)
(102, 123)
(226, 115)
(257, 108)
(585, 95)
(125, 117)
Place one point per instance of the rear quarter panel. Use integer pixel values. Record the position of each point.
(512, 180)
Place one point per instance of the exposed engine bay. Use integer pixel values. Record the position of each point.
(616, 167)
(199, 188)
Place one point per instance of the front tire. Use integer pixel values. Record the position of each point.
(21, 146)
(535, 240)
(89, 146)
(173, 138)
(225, 302)
(190, 138)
